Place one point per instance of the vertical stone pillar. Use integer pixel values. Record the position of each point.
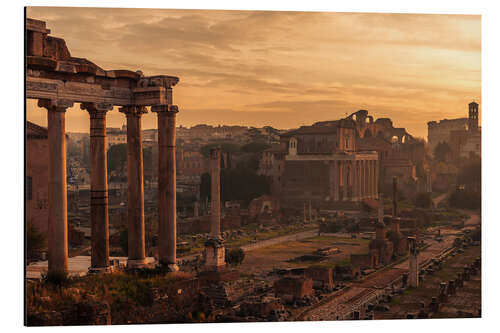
(363, 179)
(377, 176)
(370, 179)
(58, 218)
(305, 213)
(355, 181)
(196, 209)
(394, 196)
(135, 178)
(215, 192)
(344, 180)
(99, 219)
(413, 262)
(359, 182)
(335, 178)
(214, 247)
(167, 200)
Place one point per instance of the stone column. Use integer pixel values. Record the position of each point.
(363, 179)
(167, 205)
(136, 242)
(214, 246)
(335, 178)
(370, 178)
(354, 180)
(196, 209)
(359, 181)
(215, 192)
(99, 219)
(58, 218)
(344, 180)
(377, 174)
(394, 196)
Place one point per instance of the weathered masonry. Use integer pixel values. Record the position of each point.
(58, 80)
(323, 164)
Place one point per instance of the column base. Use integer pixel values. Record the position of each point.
(214, 255)
(100, 270)
(168, 267)
(136, 263)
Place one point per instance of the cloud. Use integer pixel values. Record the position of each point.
(262, 65)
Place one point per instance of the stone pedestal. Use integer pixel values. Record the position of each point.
(136, 241)
(58, 220)
(167, 204)
(214, 255)
(98, 187)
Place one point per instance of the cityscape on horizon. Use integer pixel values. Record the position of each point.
(312, 166)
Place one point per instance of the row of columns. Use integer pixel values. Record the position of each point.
(58, 224)
(353, 180)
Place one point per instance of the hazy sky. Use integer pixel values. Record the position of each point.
(283, 69)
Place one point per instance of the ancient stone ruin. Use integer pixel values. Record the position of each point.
(58, 80)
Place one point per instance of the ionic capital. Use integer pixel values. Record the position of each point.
(58, 105)
(165, 108)
(133, 110)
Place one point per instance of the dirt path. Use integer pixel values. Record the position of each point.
(439, 198)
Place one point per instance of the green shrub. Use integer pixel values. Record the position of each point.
(235, 257)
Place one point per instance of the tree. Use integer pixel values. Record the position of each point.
(254, 147)
(423, 200)
(225, 148)
(235, 257)
(442, 152)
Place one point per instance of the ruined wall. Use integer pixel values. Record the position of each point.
(440, 131)
(37, 193)
(305, 180)
(291, 288)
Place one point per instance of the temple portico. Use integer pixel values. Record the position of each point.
(58, 80)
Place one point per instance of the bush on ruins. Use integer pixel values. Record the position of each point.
(235, 256)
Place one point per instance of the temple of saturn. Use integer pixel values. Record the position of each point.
(58, 80)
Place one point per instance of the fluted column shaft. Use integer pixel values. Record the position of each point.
(135, 178)
(167, 200)
(58, 219)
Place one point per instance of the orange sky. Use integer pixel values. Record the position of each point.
(283, 69)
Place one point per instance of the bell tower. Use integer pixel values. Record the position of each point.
(473, 116)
